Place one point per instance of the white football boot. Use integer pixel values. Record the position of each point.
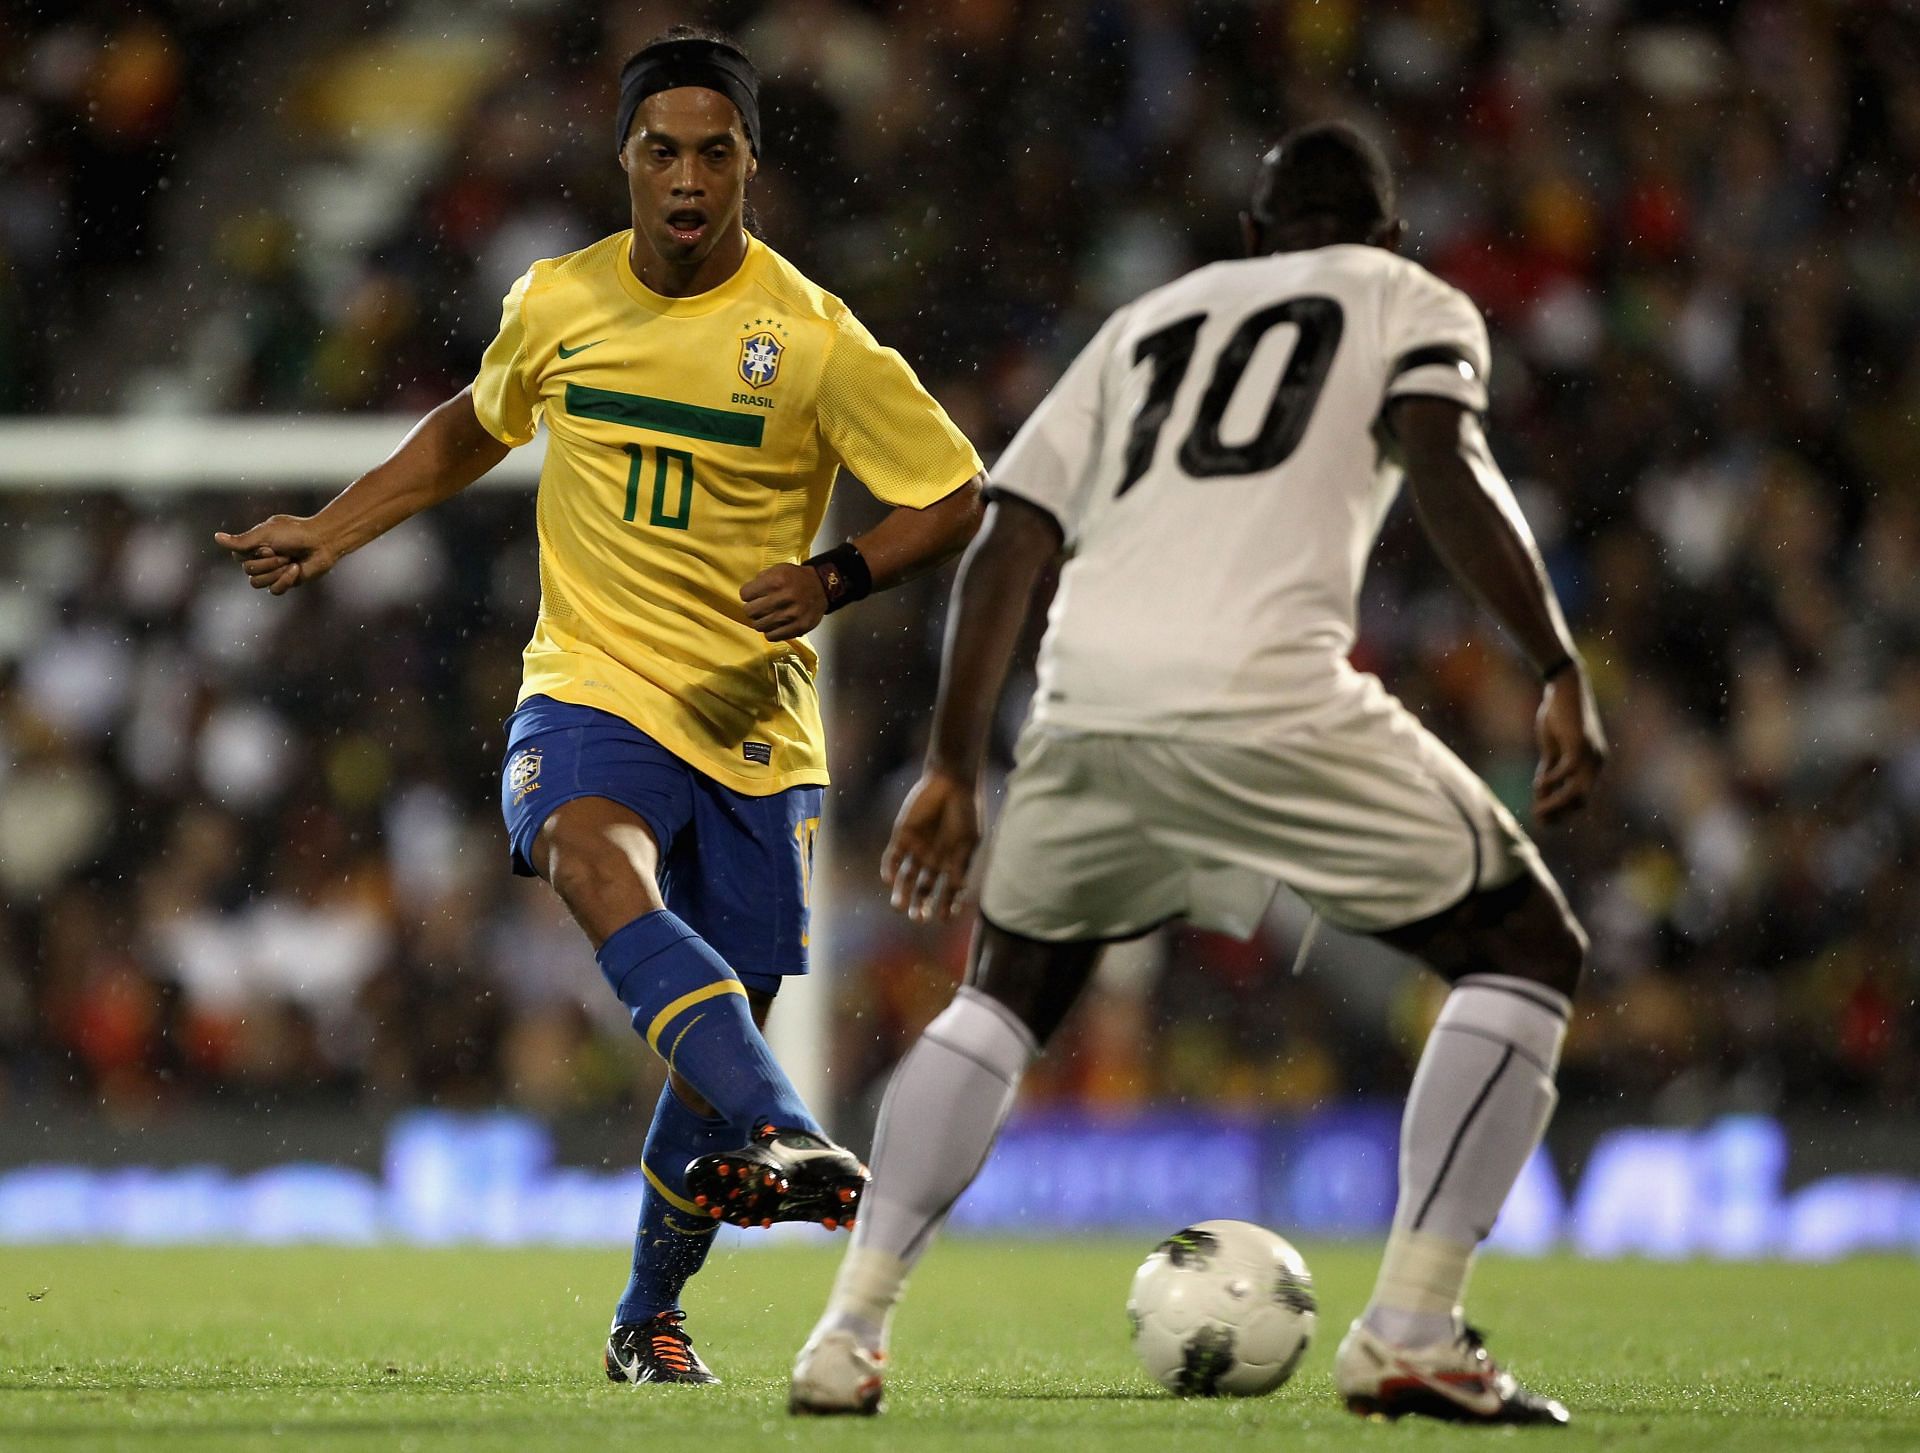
(1456, 1381)
(835, 1374)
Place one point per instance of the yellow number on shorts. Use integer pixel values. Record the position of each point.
(804, 833)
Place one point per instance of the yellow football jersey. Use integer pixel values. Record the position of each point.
(692, 443)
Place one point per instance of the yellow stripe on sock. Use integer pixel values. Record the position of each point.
(686, 1002)
(678, 1202)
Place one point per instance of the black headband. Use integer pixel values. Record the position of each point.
(710, 64)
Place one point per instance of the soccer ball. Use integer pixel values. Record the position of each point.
(1224, 1307)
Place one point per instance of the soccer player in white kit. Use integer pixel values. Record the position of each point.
(1217, 464)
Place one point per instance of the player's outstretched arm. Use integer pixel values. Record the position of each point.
(909, 542)
(934, 838)
(443, 454)
(784, 602)
(1469, 512)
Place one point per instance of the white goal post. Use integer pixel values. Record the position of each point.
(166, 455)
(186, 454)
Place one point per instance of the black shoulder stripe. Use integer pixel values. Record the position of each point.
(1440, 353)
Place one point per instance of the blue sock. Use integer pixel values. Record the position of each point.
(692, 1010)
(674, 1234)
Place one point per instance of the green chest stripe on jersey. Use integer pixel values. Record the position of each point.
(665, 416)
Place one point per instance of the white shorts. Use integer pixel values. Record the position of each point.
(1365, 814)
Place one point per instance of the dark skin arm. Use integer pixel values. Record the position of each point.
(938, 828)
(784, 602)
(445, 452)
(1468, 510)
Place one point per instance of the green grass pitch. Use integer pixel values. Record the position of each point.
(1000, 1347)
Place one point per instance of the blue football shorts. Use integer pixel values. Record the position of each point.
(736, 868)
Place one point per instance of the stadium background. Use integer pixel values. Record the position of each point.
(255, 899)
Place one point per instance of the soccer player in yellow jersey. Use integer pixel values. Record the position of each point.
(665, 762)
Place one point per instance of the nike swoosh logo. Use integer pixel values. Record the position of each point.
(1485, 1403)
(566, 352)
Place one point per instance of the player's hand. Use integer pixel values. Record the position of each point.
(932, 847)
(785, 602)
(1573, 746)
(280, 552)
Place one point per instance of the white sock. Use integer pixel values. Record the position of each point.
(1416, 1301)
(941, 1115)
(1480, 1102)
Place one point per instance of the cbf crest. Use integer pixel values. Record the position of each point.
(760, 355)
(523, 774)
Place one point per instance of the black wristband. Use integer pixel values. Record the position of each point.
(844, 575)
(1558, 668)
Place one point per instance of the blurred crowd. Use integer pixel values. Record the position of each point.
(250, 847)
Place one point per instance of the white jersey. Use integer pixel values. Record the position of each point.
(1213, 460)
